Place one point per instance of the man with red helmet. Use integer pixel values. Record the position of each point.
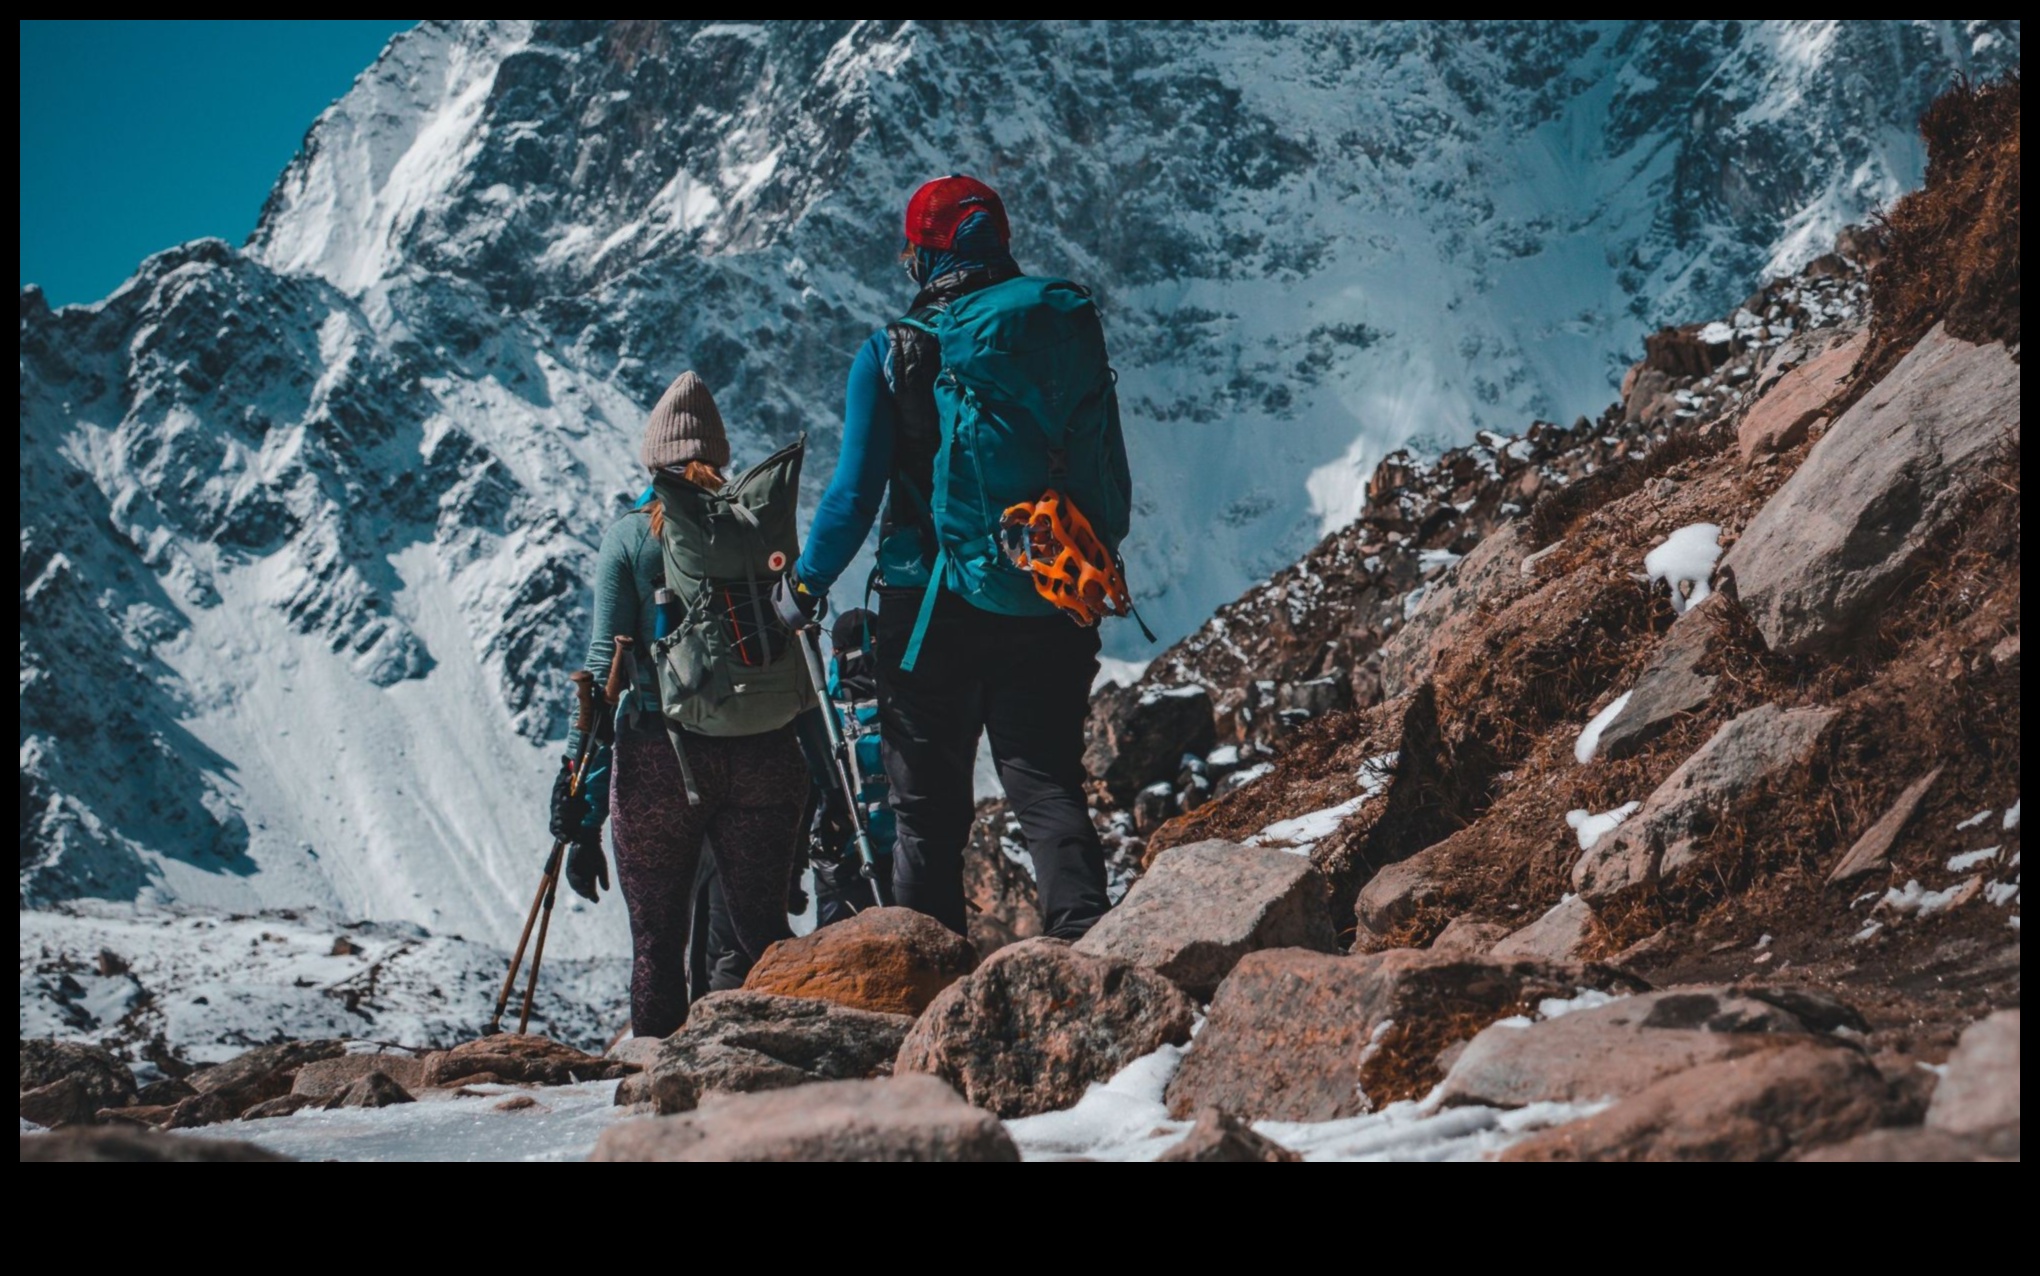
(1022, 680)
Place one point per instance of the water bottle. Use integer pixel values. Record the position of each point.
(665, 612)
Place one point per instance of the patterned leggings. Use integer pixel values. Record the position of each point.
(753, 791)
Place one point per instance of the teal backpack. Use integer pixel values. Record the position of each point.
(729, 666)
(1026, 404)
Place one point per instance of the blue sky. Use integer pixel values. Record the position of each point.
(139, 135)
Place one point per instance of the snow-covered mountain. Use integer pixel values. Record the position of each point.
(304, 524)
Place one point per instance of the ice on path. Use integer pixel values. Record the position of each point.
(1590, 738)
(1592, 828)
(1687, 557)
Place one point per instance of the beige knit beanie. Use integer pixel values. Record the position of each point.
(685, 427)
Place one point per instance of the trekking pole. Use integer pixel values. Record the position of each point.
(542, 900)
(808, 634)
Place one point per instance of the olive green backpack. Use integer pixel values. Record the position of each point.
(729, 666)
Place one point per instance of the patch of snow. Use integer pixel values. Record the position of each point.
(1592, 828)
(1975, 819)
(1687, 557)
(2001, 893)
(2012, 817)
(1914, 900)
(1590, 738)
(1717, 334)
(1300, 835)
(562, 1126)
(1584, 999)
(1113, 672)
(1223, 755)
(1430, 558)
(1970, 859)
(1869, 931)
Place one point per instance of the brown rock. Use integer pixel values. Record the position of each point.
(202, 1109)
(1922, 1143)
(280, 1107)
(128, 1143)
(1872, 851)
(1669, 688)
(517, 1103)
(65, 1082)
(375, 1090)
(1200, 908)
(1779, 420)
(1560, 934)
(324, 1078)
(744, 1041)
(519, 1059)
(1038, 1022)
(1871, 497)
(1137, 735)
(1759, 1106)
(1469, 937)
(907, 1118)
(1489, 578)
(266, 1072)
(1296, 1036)
(165, 1091)
(1219, 1137)
(1611, 1051)
(1979, 1090)
(889, 960)
(1397, 895)
(1658, 844)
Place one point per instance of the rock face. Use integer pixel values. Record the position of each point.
(1757, 1107)
(129, 1143)
(889, 960)
(1671, 686)
(323, 1078)
(525, 1059)
(1136, 736)
(1560, 934)
(1218, 1136)
(908, 1118)
(744, 1041)
(1297, 1036)
(1872, 851)
(1200, 908)
(266, 1072)
(1664, 838)
(1980, 1089)
(1612, 1051)
(1874, 492)
(1040, 1021)
(65, 1083)
(1790, 405)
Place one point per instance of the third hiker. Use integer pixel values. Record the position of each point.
(986, 422)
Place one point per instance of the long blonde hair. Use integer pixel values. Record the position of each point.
(702, 475)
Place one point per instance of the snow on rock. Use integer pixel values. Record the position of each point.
(1970, 859)
(1590, 827)
(1686, 558)
(2012, 817)
(1300, 834)
(1914, 900)
(1976, 819)
(1590, 736)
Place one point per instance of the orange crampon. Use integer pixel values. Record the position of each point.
(1051, 540)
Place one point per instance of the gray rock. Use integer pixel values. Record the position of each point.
(324, 1078)
(1922, 1143)
(65, 1082)
(1467, 937)
(1872, 851)
(1137, 735)
(744, 1041)
(373, 1090)
(1219, 1137)
(1790, 403)
(1611, 1051)
(266, 1072)
(1873, 493)
(1979, 1090)
(1488, 578)
(907, 1118)
(1670, 687)
(1663, 839)
(1397, 894)
(1559, 935)
(1199, 908)
(1034, 1026)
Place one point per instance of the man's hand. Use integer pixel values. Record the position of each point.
(794, 604)
(569, 809)
(587, 865)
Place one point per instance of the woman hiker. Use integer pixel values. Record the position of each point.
(753, 788)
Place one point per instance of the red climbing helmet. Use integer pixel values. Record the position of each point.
(940, 206)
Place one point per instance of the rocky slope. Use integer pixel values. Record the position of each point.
(304, 523)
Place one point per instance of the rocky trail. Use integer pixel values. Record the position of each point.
(1641, 789)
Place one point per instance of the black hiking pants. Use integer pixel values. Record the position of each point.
(1024, 682)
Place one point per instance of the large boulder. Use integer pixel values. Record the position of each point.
(1613, 1050)
(889, 960)
(1035, 1025)
(520, 1058)
(1670, 687)
(323, 1078)
(1665, 838)
(1979, 1089)
(1138, 735)
(67, 1083)
(1560, 933)
(1873, 494)
(1788, 408)
(1396, 895)
(132, 1143)
(1200, 908)
(743, 1041)
(1489, 578)
(252, 1077)
(908, 1118)
(1760, 1106)
(1301, 1036)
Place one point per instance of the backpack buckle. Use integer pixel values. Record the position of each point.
(1058, 462)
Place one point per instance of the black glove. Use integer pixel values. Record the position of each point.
(793, 604)
(587, 865)
(569, 809)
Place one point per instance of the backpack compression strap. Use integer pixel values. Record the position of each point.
(927, 612)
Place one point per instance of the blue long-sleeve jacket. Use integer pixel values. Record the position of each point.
(863, 467)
